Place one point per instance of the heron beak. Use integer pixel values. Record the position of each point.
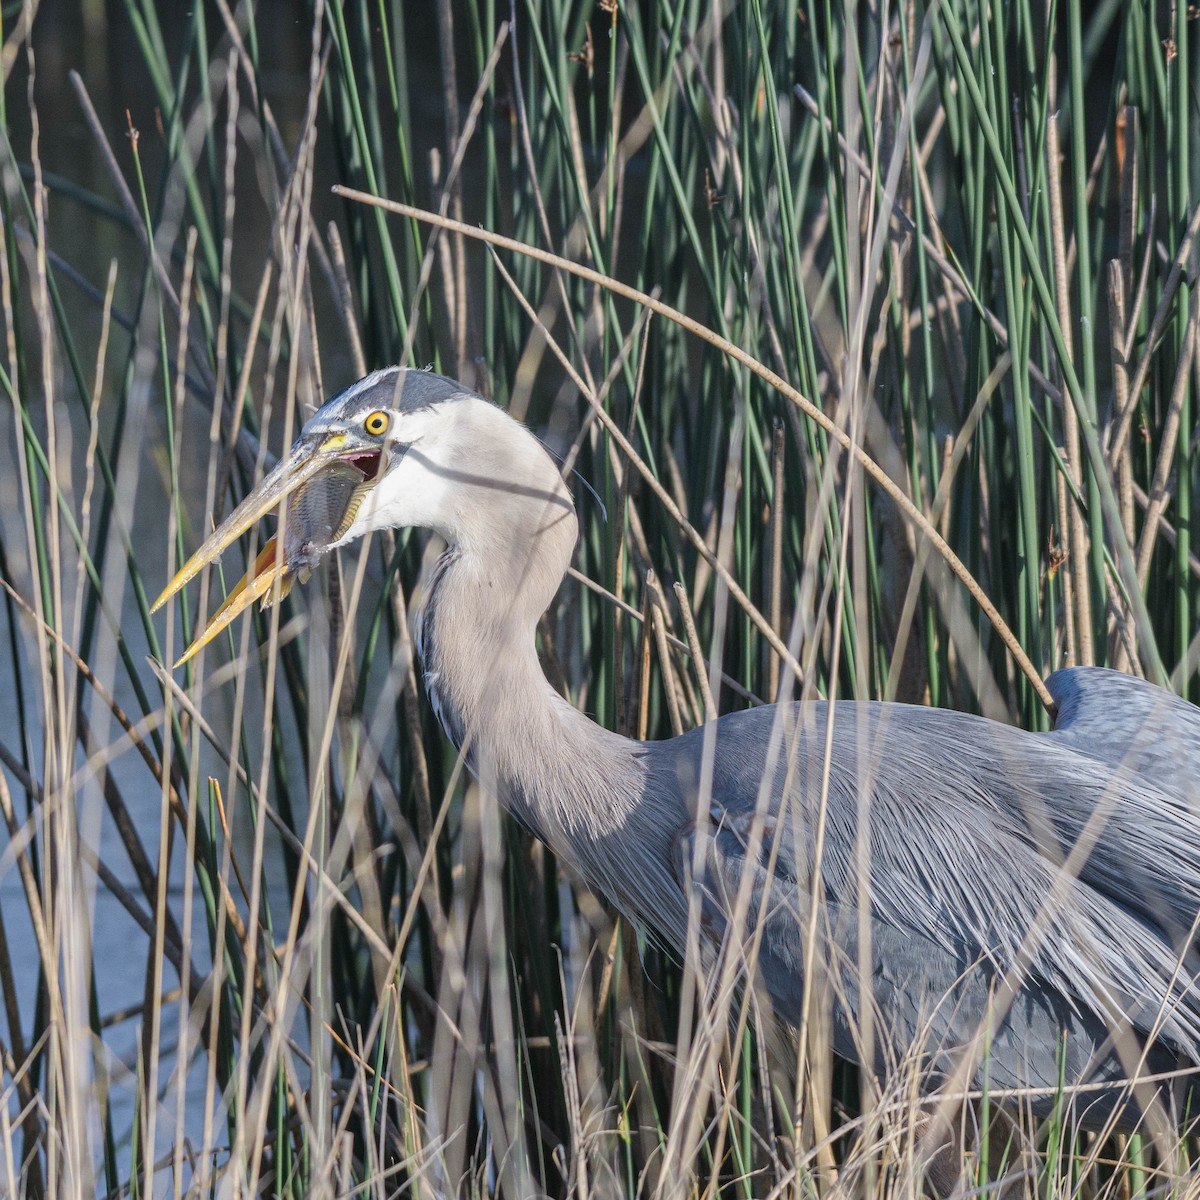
(322, 480)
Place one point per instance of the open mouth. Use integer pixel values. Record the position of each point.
(321, 511)
(368, 462)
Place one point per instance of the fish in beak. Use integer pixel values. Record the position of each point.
(321, 484)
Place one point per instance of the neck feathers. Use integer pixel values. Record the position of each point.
(561, 775)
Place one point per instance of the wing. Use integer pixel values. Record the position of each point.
(925, 1009)
(754, 908)
(900, 1001)
(944, 838)
(1132, 751)
(1131, 726)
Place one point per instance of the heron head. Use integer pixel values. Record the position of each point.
(351, 470)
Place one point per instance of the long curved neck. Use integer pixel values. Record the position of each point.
(561, 774)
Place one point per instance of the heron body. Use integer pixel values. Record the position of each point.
(968, 876)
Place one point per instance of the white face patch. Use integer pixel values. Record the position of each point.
(470, 473)
(417, 488)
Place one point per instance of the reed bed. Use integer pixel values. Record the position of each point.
(260, 933)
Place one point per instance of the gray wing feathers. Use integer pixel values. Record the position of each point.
(923, 999)
(1129, 725)
(969, 825)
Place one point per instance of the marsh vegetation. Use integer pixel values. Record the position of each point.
(260, 933)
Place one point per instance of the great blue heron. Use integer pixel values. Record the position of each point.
(1043, 888)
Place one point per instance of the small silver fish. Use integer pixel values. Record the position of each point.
(319, 513)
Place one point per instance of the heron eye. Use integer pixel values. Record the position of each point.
(376, 423)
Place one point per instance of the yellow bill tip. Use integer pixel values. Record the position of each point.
(176, 585)
(257, 584)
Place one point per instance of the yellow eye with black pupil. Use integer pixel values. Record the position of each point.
(376, 423)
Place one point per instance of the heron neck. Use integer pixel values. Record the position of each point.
(558, 772)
